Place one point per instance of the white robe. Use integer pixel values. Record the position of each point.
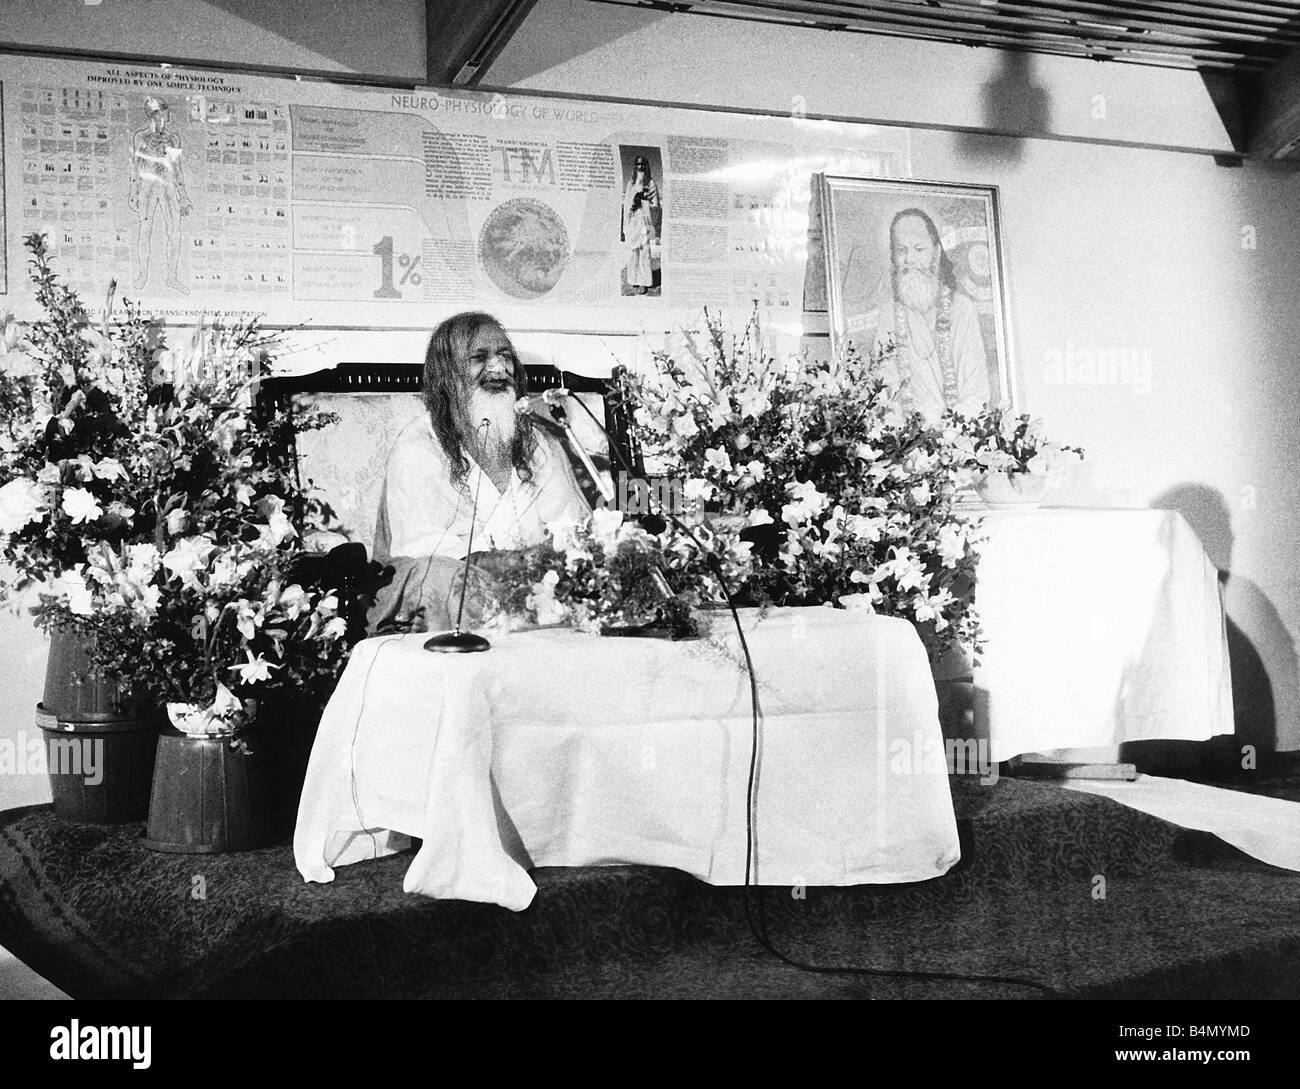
(423, 513)
(639, 232)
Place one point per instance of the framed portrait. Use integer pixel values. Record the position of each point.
(919, 264)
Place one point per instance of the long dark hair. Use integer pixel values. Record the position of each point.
(947, 276)
(446, 387)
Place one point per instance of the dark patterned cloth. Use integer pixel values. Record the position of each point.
(1183, 916)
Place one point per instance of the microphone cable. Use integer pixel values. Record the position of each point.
(756, 917)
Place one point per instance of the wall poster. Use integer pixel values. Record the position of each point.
(328, 207)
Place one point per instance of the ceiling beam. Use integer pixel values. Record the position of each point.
(962, 19)
(1088, 18)
(1191, 16)
(1275, 124)
(942, 24)
(464, 37)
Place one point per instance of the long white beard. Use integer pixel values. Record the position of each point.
(917, 289)
(503, 422)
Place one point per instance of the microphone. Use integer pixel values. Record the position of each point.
(552, 399)
(547, 399)
(457, 641)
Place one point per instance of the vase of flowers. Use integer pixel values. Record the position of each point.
(67, 396)
(1012, 460)
(157, 515)
(195, 720)
(1005, 490)
(846, 498)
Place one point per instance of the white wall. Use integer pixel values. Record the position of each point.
(23, 651)
(1138, 249)
(649, 56)
(1107, 247)
(368, 37)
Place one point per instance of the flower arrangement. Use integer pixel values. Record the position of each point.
(157, 514)
(70, 396)
(220, 627)
(1002, 443)
(608, 574)
(847, 498)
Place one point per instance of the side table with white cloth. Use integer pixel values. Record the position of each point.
(1102, 626)
(558, 748)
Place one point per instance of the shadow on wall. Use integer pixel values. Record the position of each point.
(1013, 105)
(529, 55)
(1261, 652)
(338, 34)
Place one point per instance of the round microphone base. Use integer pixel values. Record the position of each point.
(456, 642)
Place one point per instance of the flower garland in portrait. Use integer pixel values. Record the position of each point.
(942, 338)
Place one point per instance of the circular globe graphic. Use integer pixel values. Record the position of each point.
(524, 247)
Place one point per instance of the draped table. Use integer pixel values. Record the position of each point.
(1102, 626)
(557, 748)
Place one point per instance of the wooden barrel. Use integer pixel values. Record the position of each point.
(75, 693)
(100, 772)
(207, 797)
(955, 687)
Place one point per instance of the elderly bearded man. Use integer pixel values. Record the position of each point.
(471, 440)
(934, 326)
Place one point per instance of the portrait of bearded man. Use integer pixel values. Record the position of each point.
(940, 359)
(471, 441)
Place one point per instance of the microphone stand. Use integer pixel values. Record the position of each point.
(562, 418)
(606, 489)
(457, 641)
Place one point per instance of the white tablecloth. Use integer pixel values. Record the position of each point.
(556, 748)
(1102, 626)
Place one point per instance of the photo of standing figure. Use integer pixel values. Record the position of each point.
(641, 223)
